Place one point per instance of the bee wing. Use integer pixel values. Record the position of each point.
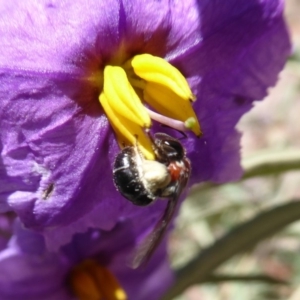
(149, 245)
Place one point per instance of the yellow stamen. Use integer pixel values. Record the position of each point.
(90, 281)
(84, 286)
(123, 98)
(171, 105)
(109, 284)
(128, 133)
(156, 69)
(161, 85)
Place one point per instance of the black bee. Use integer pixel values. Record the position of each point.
(142, 181)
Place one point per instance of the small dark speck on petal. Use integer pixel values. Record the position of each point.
(48, 191)
(240, 100)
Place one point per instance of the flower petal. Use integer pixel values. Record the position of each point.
(54, 151)
(31, 40)
(31, 277)
(43, 275)
(243, 48)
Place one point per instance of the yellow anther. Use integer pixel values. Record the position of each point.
(109, 284)
(171, 105)
(90, 281)
(122, 97)
(84, 286)
(120, 294)
(157, 70)
(151, 79)
(128, 133)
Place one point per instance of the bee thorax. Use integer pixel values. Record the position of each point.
(155, 175)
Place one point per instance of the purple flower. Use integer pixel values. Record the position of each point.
(29, 271)
(57, 146)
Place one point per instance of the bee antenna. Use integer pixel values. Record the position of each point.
(147, 130)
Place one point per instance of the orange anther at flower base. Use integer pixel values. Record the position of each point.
(150, 79)
(90, 281)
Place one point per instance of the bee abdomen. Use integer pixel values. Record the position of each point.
(126, 179)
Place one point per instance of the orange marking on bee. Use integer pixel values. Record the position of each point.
(174, 171)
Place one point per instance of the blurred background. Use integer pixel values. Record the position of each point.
(272, 127)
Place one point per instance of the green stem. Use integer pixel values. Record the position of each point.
(217, 278)
(240, 239)
(271, 163)
(264, 164)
